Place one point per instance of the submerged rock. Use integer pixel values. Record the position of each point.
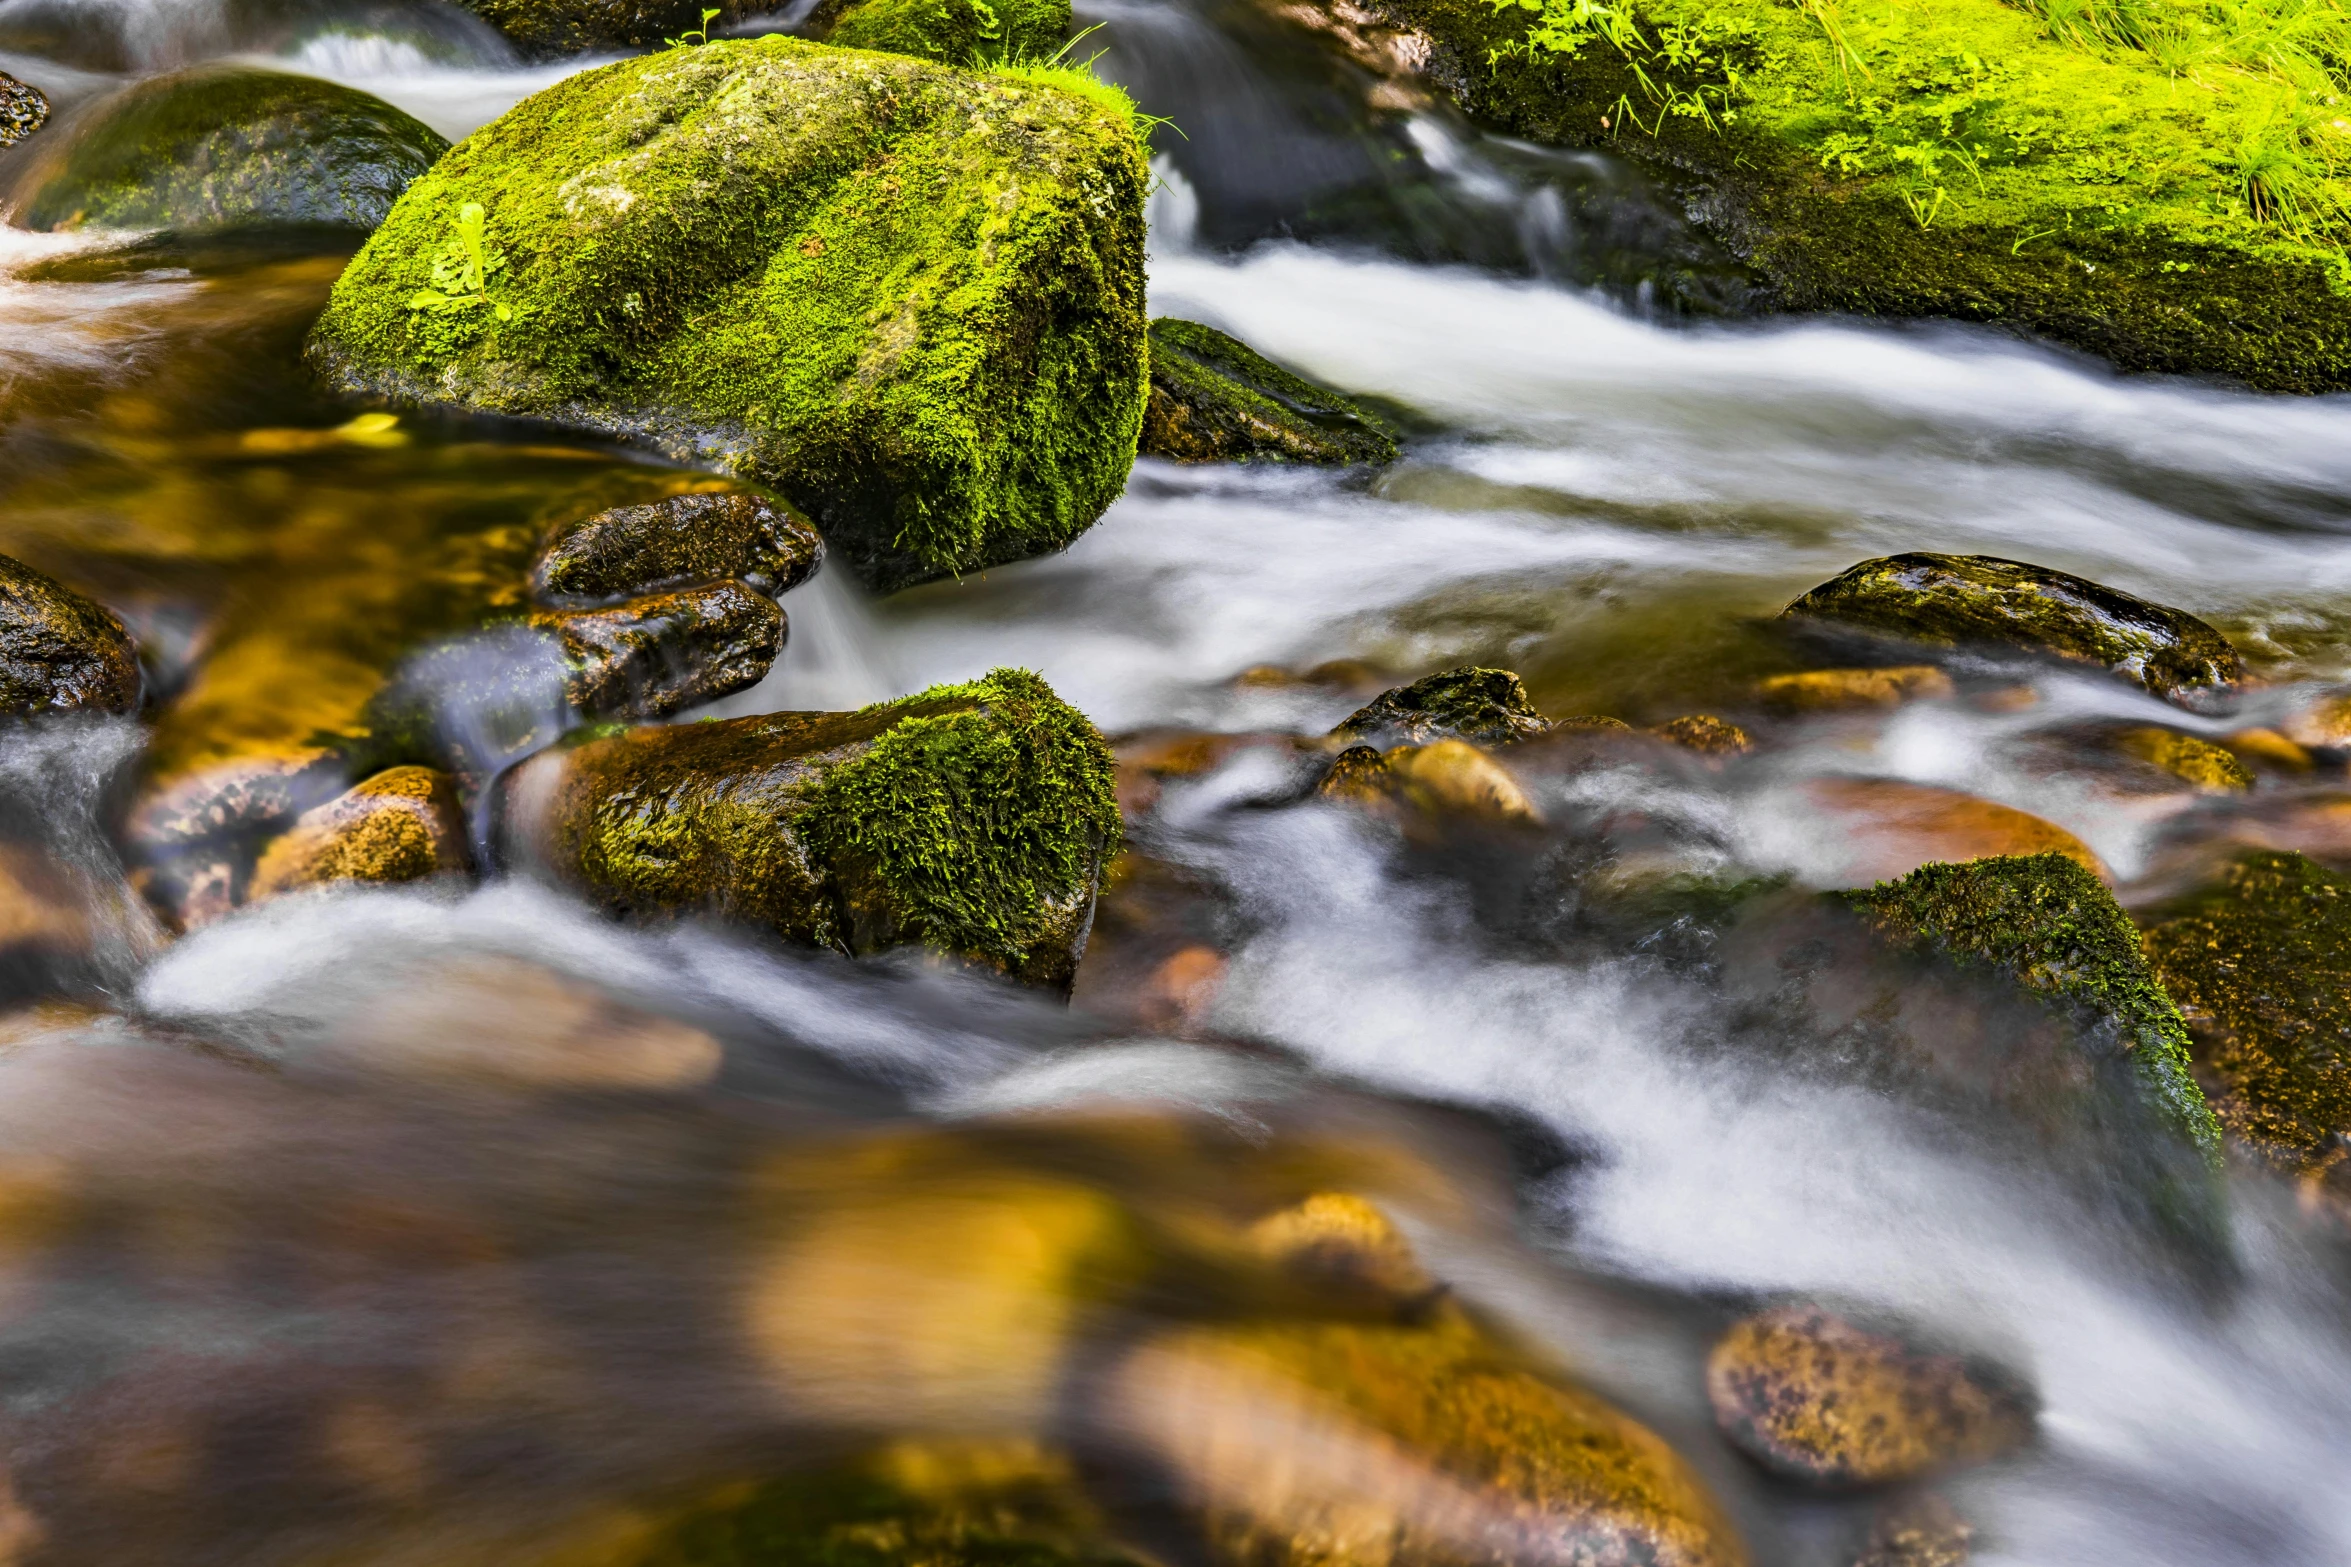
(1887, 827)
(231, 147)
(1816, 690)
(952, 32)
(909, 298)
(1813, 1396)
(973, 819)
(24, 109)
(1705, 734)
(2260, 965)
(2209, 767)
(668, 543)
(402, 825)
(1488, 706)
(60, 651)
(1452, 778)
(1918, 1531)
(651, 656)
(1980, 601)
(1215, 399)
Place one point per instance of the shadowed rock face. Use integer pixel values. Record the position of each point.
(1981, 601)
(58, 650)
(651, 656)
(1216, 399)
(221, 147)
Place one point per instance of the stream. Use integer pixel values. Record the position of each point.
(354, 1198)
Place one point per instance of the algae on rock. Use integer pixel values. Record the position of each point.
(973, 819)
(222, 147)
(1216, 399)
(909, 298)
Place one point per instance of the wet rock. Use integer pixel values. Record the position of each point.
(942, 360)
(1886, 828)
(220, 147)
(952, 32)
(24, 109)
(2260, 964)
(1215, 399)
(682, 539)
(544, 29)
(651, 656)
(1817, 690)
(402, 825)
(1981, 601)
(973, 819)
(2051, 926)
(1452, 778)
(1359, 776)
(2324, 725)
(1813, 1396)
(1488, 706)
(1706, 735)
(1343, 1239)
(2267, 749)
(58, 650)
(1918, 1531)
(2209, 767)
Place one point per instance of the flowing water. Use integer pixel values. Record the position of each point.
(452, 1189)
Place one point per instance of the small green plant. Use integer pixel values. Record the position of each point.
(463, 269)
(1922, 211)
(701, 34)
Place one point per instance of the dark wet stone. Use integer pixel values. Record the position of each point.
(684, 538)
(651, 656)
(1816, 1397)
(1706, 735)
(58, 650)
(1489, 706)
(1981, 601)
(231, 147)
(1215, 399)
(24, 109)
(2260, 965)
(544, 29)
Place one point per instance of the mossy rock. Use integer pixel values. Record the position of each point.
(1817, 1397)
(1216, 399)
(58, 650)
(230, 147)
(651, 656)
(1981, 601)
(405, 824)
(952, 32)
(24, 109)
(1488, 706)
(546, 29)
(1964, 160)
(2260, 965)
(2051, 926)
(680, 539)
(973, 819)
(906, 297)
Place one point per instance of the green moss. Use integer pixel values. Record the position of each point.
(542, 29)
(2261, 965)
(954, 32)
(1215, 399)
(976, 822)
(1954, 160)
(2052, 926)
(217, 147)
(908, 298)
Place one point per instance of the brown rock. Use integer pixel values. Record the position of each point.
(651, 656)
(58, 650)
(1813, 1396)
(2199, 762)
(24, 109)
(1918, 1531)
(402, 825)
(1891, 828)
(1455, 778)
(2268, 748)
(630, 550)
(1821, 690)
(1706, 735)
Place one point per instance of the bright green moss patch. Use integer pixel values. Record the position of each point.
(909, 298)
(2261, 965)
(2051, 925)
(953, 32)
(2174, 211)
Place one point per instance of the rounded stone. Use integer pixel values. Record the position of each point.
(677, 540)
(60, 651)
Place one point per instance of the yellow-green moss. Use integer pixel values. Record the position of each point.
(953, 32)
(1958, 160)
(908, 297)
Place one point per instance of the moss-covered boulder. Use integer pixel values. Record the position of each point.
(230, 147)
(953, 32)
(680, 539)
(1216, 399)
(402, 825)
(1489, 706)
(909, 298)
(1981, 601)
(651, 656)
(24, 109)
(545, 29)
(973, 819)
(1818, 1397)
(60, 651)
(2260, 965)
(2032, 164)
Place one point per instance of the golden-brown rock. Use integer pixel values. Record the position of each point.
(1889, 828)
(404, 824)
(1706, 735)
(1454, 778)
(2211, 768)
(1821, 690)
(1813, 1396)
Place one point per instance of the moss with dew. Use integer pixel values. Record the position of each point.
(2170, 192)
(908, 297)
